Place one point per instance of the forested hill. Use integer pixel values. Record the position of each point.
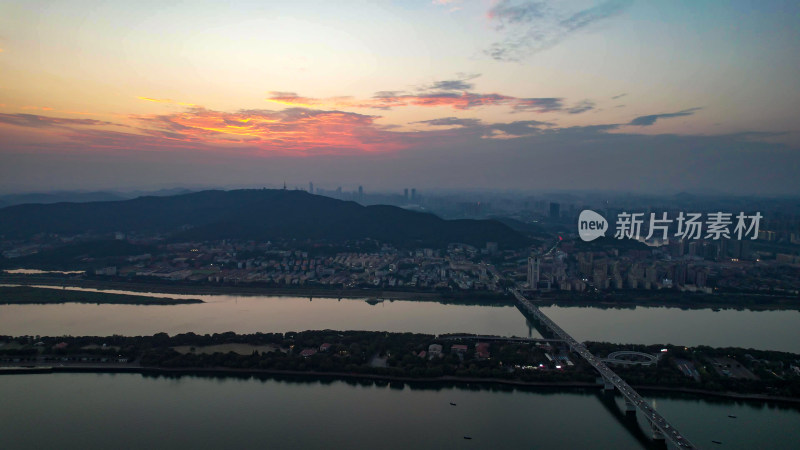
(262, 214)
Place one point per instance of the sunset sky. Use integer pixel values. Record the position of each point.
(645, 96)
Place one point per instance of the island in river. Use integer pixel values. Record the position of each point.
(734, 372)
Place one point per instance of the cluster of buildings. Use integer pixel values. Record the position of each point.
(457, 267)
(567, 265)
(437, 351)
(686, 266)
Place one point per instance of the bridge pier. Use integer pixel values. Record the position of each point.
(657, 434)
(607, 384)
(629, 406)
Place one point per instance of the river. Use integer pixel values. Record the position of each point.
(766, 330)
(100, 411)
(91, 411)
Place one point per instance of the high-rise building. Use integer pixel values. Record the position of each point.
(405, 194)
(739, 249)
(533, 272)
(700, 279)
(600, 273)
(599, 278)
(677, 248)
(555, 211)
(651, 274)
(413, 194)
(360, 193)
(680, 274)
(310, 187)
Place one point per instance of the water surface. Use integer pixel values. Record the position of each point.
(765, 330)
(100, 411)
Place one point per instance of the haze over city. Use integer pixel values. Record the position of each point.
(583, 95)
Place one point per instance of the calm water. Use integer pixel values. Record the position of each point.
(90, 411)
(769, 330)
(249, 314)
(765, 330)
(100, 411)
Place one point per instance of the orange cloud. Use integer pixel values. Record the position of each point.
(292, 99)
(82, 113)
(300, 131)
(296, 130)
(156, 100)
(165, 100)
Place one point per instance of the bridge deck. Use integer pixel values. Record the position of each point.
(479, 337)
(669, 432)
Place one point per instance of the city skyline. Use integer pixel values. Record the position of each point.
(608, 95)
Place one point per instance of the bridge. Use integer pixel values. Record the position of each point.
(480, 337)
(662, 430)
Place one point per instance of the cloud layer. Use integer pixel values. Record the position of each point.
(529, 27)
(37, 121)
(453, 93)
(646, 121)
(305, 131)
(453, 153)
(293, 129)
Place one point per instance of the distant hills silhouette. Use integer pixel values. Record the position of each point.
(254, 214)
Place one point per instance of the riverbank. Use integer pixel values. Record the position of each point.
(672, 299)
(617, 300)
(28, 295)
(466, 298)
(444, 380)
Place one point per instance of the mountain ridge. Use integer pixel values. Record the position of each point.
(253, 214)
